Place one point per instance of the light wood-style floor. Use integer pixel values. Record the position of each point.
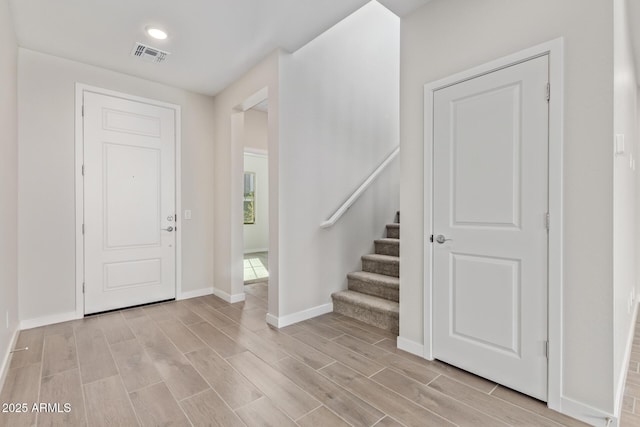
(631, 401)
(205, 362)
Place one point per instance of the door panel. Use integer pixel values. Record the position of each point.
(118, 275)
(131, 123)
(486, 158)
(132, 196)
(129, 181)
(490, 197)
(486, 315)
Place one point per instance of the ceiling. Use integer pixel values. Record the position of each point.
(211, 42)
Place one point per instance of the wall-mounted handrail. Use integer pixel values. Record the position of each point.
(361, 189)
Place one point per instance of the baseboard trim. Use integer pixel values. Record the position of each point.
(622, 377)
(228, 297)
(255, 251)
(4, 368)
(410, 346)
(48, 320)
(588, 414)
(195, 293)
(272, 320)
(290, 319)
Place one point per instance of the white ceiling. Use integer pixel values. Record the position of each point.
(212, 42)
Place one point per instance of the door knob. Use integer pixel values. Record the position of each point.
(441, 239)
(169, 229)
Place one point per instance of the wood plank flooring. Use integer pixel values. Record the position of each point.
(204, 362)
(631, 400)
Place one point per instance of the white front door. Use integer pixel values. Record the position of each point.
(129, 202)
(490, 199)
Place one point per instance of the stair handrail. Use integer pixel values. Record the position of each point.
(361, 189)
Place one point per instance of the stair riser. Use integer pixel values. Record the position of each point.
(374, 289)
(386, 321)
(383, 248)
(387, 268)
(393, 232)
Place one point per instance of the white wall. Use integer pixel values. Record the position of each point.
(256, 235)
(228, 170)
(256, 127)
(339, 120)
(449, 36)
(46, 105)
(332, 118)
(624, 191)
(8, 184)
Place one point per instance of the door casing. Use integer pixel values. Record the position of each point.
(555, 50)
(79, 185)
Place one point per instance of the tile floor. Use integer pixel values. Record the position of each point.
(204, 362)
(256, 267)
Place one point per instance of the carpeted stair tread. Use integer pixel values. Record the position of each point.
(372, 310)
(381, 258)
(377, 285)
(393, 231)
(378, 279)
(381, 264)
(387, 246)
(389, 241)
(373, 294)
(368, 301)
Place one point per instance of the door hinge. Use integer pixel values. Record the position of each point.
(82, 170)
(83, 287)
(82, 110)
(431, 238)
(548, 93)
(546, 349)
(82, 228)
(547, 221)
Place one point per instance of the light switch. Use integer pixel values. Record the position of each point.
(187, 214)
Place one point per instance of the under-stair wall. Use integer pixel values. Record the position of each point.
(339, 119)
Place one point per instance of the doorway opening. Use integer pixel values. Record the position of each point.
(254, 212)
(255, 208)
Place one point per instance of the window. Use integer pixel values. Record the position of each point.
(249, 197)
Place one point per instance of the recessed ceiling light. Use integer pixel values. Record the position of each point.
(156, 33)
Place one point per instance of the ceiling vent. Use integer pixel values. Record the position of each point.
(148, 53)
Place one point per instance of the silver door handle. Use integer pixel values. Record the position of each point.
(441, 239)
(169, 229)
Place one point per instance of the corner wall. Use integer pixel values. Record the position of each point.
(8, 186)
(333, 118)
(257, 130)
(228, 245)
(46, 104)
(449, 36)
(625, 122)
(339, 120)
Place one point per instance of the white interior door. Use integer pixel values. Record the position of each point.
(490, 199)
(129, 210)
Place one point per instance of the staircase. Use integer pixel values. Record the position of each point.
(373, 293)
